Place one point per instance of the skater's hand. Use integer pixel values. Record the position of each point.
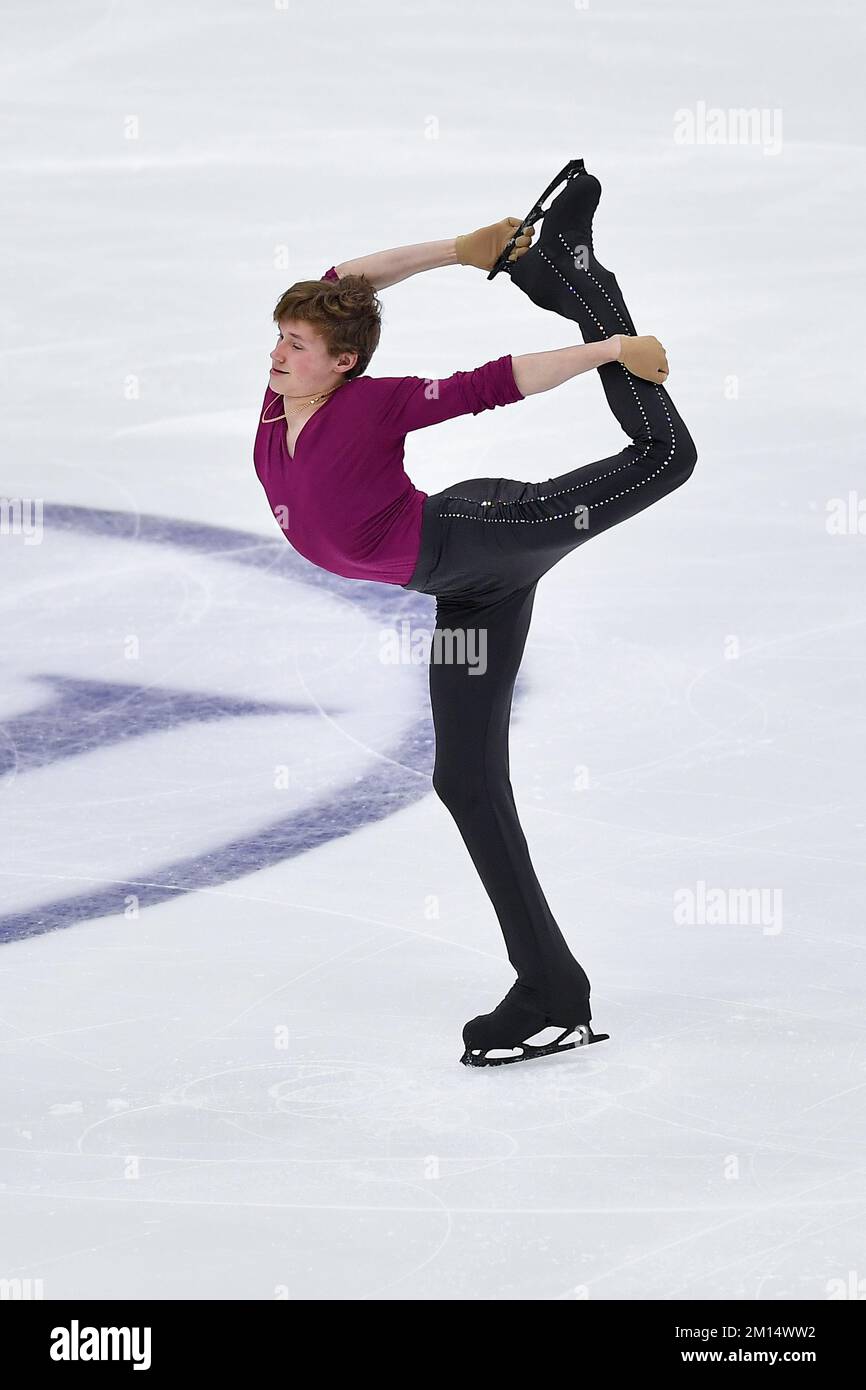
(642, 356)
(484, 247)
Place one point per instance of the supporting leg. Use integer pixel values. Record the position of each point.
(471, 712)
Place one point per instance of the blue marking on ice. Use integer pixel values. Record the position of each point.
(400, 779)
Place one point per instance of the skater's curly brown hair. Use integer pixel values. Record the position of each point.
(346, 312)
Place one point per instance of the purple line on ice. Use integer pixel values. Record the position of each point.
(392, 783)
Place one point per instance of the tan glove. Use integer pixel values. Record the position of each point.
(644, 357)
(484, 247)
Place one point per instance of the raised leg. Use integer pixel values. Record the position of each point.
(536, 524)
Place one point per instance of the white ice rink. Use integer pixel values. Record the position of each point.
(239, 934)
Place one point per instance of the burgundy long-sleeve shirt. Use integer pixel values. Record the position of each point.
(344, 501)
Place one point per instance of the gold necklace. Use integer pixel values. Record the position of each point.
(312, 401)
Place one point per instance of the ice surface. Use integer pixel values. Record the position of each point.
(239, 935)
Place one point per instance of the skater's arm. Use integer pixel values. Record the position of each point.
(401, 404)
(541, 371)
(384, 268)
(404, 403)
(480, 248)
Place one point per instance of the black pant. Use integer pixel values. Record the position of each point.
(485, 543)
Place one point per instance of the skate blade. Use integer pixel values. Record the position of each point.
(581, 1036)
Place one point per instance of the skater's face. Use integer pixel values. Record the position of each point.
(301, 364)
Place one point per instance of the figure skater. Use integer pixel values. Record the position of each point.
(329, 454)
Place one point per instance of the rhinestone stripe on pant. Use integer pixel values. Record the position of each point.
(485, 543)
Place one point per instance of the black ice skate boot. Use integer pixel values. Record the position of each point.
(561, 272)
(573, 170)
(513, 1031)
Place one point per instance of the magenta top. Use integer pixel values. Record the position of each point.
(344, 500)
